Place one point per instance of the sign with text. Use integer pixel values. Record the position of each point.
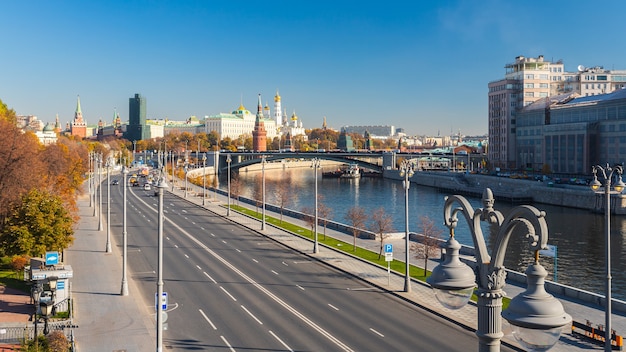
(163, 301)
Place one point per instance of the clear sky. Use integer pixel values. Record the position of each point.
(420, 65)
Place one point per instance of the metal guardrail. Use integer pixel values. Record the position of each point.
(18, 333)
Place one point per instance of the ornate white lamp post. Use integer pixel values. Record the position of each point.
(228, 161)
(124, 290)
(203, 179)
(617, 188)
(108, 244)
(537, 317)
(161, 186)
(406, 171)
(315, 166)
(100, 192)
(263, 190)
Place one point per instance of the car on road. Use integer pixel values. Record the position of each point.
(146, 187)
(115, 182)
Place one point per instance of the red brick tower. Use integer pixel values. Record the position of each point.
(259, 135)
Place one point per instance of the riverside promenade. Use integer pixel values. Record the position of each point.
(107, 321)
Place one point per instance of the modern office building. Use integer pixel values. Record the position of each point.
(568, 135)
(137, 129)
(528, 80)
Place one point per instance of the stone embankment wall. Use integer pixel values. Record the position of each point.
(516, 190)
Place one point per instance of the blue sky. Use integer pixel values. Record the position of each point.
(420, 65)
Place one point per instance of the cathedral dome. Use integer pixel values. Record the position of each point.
(48, 127)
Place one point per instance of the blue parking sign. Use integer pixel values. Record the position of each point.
(388, 248)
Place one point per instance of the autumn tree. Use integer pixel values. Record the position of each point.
(356, 217)
(381, 224)
(236, 186)
(20, 165)
(430, 241)
(257, 191)
(309, 218)
(282, 193)
(324, 213)
(41, 223)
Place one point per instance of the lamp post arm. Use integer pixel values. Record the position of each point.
(450, 211)
(535, 229)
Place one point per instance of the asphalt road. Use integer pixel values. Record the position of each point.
(230, 288)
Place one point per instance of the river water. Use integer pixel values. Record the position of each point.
(578, 234)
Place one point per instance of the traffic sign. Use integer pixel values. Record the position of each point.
(52, 258)
(163, 301)
(388, 248)
(389, 256)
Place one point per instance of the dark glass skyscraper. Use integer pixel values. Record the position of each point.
(137, 129)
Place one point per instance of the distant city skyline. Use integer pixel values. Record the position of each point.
(423, 67)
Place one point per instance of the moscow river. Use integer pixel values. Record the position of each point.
(578, 234)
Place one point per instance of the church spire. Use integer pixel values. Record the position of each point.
(78, 106)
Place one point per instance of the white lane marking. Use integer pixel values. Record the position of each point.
(209, 276)
(333, 307)
(376, 332)
(175, 246)
(212, 234)
(252, 315)
(227, 344)
(208, 320)
(238, 250)
(184, 211)
(285, 264)
(186, 256)
(223, 241)
(254, 260)
(275, 273)
(281, 341)
(300, 287)
(260, 287)
(198, 266)
(193, 222)
(228, 293)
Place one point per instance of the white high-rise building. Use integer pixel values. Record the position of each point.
(527, 80)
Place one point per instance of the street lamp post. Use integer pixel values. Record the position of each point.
(124, 291)
(173, 169)
(108, 244)
(90, 184)
(100, 193)
(536, 317)
(315, 166)
(406, 171)
(228, 161)
(203, 179)
(263, 190)
(186, 170)
(161, 186)
(617, 188)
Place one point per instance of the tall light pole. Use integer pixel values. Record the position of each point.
(203, 178)
(263, 190)
(536, 317)
(124, 291)
(90, 184)
(617, 188)
(161, 186)
(134, 150)
(406, 171)
(228, 161)
(173, 169)
(316, 166)
(186, 170)
(100, 192)
(108, 244)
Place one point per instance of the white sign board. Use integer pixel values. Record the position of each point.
(389, 256)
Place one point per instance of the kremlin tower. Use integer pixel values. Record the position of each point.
(259, 135)
(79, 127)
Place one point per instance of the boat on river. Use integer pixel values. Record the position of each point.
(349, 171)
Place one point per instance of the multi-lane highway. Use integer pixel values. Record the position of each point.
(229, 288)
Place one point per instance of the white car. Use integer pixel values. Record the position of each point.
(146, 187)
